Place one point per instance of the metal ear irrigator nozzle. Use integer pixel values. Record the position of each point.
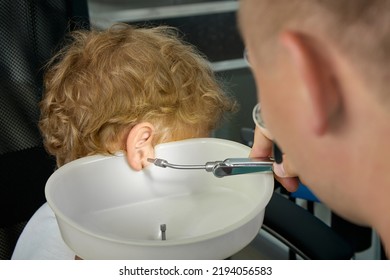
(227, 167)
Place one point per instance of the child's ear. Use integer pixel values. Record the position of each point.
(139, 145)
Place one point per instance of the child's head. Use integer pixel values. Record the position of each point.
(127, 89)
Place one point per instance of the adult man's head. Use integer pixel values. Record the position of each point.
(321, 68)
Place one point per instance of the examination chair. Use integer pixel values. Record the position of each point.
(30, 32)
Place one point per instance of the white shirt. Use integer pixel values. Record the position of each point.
(41, 239)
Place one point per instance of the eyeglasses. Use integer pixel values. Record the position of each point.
(246, 57)
(256, 115)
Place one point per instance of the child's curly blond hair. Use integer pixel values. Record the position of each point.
(104, 82)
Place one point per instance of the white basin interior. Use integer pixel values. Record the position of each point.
(105, 210)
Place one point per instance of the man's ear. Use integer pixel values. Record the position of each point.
(139, 145)
(314, 66)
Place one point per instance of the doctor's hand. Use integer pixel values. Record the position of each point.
(262, 147)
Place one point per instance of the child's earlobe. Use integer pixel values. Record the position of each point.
(139, 145)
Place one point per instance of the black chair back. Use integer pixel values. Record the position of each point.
(30, 32)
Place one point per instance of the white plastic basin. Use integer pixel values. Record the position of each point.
(105, 210)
